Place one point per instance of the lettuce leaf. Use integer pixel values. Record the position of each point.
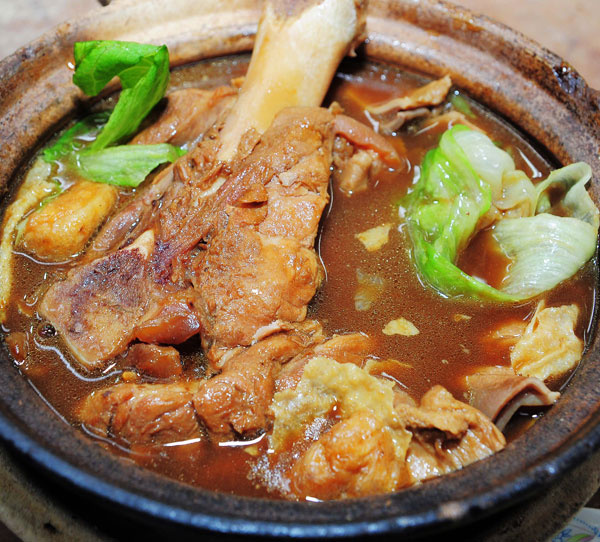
(442, 213)
(88, 146)
(75, 138)
(576, 201)
(458, 182)
(144, 74)
(125, 165)
(547, 249)
(489, 161)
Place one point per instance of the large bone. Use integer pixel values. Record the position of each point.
(294, 60)
(297, 50)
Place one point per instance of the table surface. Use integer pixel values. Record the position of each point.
(570, 28)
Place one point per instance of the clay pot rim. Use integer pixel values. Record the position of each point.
(426, 522)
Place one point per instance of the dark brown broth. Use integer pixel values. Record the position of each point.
(447, 348)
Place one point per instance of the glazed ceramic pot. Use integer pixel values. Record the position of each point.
(526, 491)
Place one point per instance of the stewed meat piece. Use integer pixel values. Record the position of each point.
(259, 266)
(237, 400)
(154, 361)
(356, 458)
(234, 402)
(96, 307)
(447, 434)
(189, 114)
(143, 413)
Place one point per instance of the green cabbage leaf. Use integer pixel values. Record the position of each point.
(144, 74)
(460, 180)
(90, 146)
(125, 165)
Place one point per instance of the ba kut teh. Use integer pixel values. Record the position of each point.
(288, 277)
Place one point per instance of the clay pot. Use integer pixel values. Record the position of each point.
(526, 491)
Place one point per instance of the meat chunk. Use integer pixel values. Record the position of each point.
(237, 400)
(171, 322)
(155, 361)
(260, 266)
(189, 114)
(353, 178)
(391, 115)
(143, 413)
(356, 458)
(232, 403)
(97, 307)
(251, 281)
(362, 137)
(129, 222)
(498, 392)
(447, 435)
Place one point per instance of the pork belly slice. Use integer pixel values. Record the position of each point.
(499, 393)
